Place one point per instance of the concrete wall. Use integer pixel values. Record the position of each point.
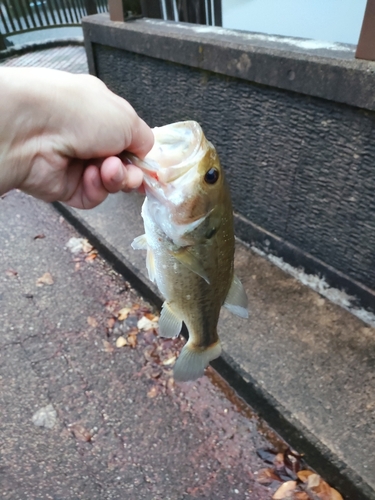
(293, 121)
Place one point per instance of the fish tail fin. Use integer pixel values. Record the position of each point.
(193, 360)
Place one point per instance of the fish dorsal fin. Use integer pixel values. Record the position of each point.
(236, 301)
(189, 260)
(169, 325)
(150, 264)
(140, 242)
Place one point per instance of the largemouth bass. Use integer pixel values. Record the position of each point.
(189, 239)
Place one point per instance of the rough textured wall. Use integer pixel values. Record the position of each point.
(300, 167)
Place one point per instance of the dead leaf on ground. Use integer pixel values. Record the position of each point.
(301, 495)
(92, 322)
(320, 488)
(108, 347)
(152, 392)
(80, 432)
(39, 236)
(91, 256)
(152, 317)
(132, 340)
(11, 272)
(121, 342)
(267, 476)
(303, 475)
(169, 361)
(46, 279)
(284, 491)
(146, 324)
(77, 245)
(111, 322)
(123, 313)
(335, 495)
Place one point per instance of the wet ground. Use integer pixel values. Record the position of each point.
(123, 429)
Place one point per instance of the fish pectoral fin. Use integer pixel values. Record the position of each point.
(169, 324)
(150, 264)
(193, 360)
(236, 301)
(189, 260)
(140, 242)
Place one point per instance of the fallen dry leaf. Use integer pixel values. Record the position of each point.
(111, 322)
(46, 279)
(146, 324)
(39, 236)
(169, 361)
(284, 491)
(91, 256)
(11, 272)
(132, 340)
(304, 474)
(320, 488)
(121, 341)
(335, 495)
(108, 347)
(301, 495)
(80, 432)
(313, 480)
(170, 383)
(123, 313)
(267, 476)
(77, 245)
(152, 392)
(92, 322)
(152, 317)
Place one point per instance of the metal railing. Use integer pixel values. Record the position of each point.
(191, 11)
(20, 16)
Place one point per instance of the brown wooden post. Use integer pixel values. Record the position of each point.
(366, 43)
(91, 7)
(151, 8)
(116, 10)
(2, 42)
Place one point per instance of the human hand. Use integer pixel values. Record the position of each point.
(62, 135)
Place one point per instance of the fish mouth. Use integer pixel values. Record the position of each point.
(177, 148)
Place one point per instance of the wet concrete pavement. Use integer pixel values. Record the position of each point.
(123, 429)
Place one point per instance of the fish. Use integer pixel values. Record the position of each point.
(189, 238)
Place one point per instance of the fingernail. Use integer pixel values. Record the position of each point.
(119, 175)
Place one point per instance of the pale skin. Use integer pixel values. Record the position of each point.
(62, 137)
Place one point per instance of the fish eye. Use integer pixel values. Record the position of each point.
(211, 176)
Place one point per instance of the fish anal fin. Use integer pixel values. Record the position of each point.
(192, 361)
(169, 324)
(236, 301)
(150, 264)
(189, 260)
(140, 242)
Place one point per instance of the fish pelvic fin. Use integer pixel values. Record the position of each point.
(193, 360)
(150, 264)
(169, 324)
(140, 242)
(236, 301)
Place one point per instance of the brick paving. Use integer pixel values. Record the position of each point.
(69, 58)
